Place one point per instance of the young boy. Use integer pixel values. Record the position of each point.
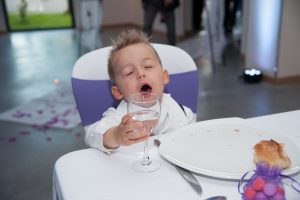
(134, 66)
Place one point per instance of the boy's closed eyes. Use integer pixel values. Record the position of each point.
(130, 69)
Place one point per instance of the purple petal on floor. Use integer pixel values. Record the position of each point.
(52, 121)
(46, 127)
(64, 122)
(12, 139)
(18, 115)
(24, 132)
(78, 134)
(34, 126)
(39, 128)
(66, 112)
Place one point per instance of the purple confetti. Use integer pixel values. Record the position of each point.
(12, 139)
(52, 121)
(20, 114)
(78, 135)
(40, 128)
(64, 122)
(66, 112)
(24, 133)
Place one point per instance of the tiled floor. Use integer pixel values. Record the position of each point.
(30, 61)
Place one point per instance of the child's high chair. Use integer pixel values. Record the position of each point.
(91, 84)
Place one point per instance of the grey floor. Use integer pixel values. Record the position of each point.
(30, 61)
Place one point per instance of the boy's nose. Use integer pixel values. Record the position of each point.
(141, 75)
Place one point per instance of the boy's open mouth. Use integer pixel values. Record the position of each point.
(146, 88)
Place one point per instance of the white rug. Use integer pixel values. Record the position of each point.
(54, 110)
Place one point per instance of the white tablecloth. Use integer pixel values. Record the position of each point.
(91, 174)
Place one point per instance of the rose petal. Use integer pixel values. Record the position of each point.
(24, 132)
(12, 139)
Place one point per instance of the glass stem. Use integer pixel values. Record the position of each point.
(146, 160)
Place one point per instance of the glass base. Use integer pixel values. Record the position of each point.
(139, 166)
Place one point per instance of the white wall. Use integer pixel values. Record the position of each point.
(289, 45)
(116, 12)
(245, 27)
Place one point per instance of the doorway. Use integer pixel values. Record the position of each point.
(24, 15)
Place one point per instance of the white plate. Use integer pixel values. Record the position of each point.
(221, 148)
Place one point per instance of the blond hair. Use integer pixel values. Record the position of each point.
(126, 38)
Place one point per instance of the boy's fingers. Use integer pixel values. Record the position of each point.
(126, 118)
(133, 126)
(137, 134)
(136, 140)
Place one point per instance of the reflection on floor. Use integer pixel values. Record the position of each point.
(30, 61)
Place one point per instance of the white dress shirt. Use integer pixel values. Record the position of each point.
(172, 117)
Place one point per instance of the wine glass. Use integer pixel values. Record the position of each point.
(145, 107)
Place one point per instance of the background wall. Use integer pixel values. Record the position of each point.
(289, 43)
(271, 38)
(263, 34)
(116, 12)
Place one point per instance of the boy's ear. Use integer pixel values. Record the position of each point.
(166, 77)
(116, 93)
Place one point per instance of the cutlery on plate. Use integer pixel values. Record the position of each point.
(186, 174)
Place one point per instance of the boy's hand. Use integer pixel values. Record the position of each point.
(128, 132)
(131, 131)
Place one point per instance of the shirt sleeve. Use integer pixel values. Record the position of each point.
(94, 132)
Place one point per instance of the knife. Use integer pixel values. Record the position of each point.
(186, 174)
(190, 178)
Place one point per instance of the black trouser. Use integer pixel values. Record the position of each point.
(150, 12)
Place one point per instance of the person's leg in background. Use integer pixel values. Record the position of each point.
(198, 6)
(150, 12)
(171, 29)
(230, 8)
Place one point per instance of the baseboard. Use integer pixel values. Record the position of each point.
(282, 80)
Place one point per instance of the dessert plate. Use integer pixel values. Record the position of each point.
(221, 148)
